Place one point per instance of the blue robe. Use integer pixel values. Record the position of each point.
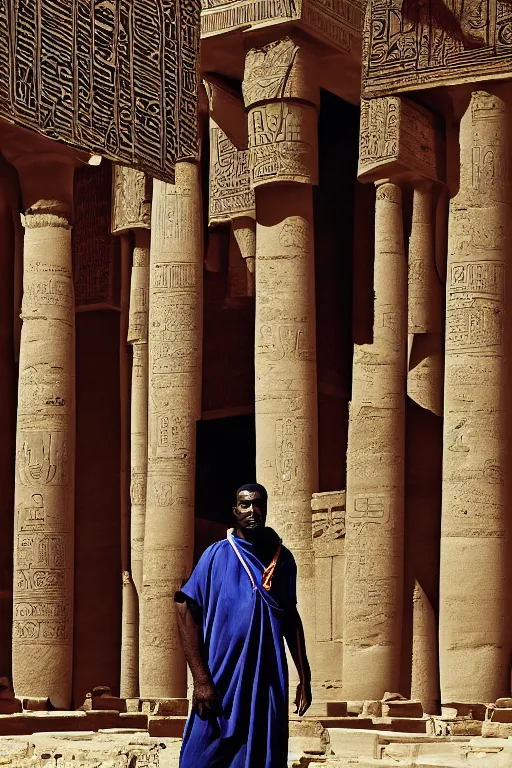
(244, 646)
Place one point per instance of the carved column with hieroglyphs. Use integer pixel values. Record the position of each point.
(174, 405)
(281, 93)
(131, 218)
(397, 145)
(474, 636)
(45, 443)
(231, 199)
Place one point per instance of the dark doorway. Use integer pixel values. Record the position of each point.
(226, 458)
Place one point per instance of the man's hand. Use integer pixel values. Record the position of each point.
(303, 698)
(205, 699)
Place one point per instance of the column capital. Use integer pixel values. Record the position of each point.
(45, 167)
(281, 92)
(283, 69)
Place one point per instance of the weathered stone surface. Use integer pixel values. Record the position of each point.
(44, 494)
(474, 637)
(375, 472)
(175, 354)
(442, 42)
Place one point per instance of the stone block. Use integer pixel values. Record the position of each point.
(505, 703)
(336, 708)
(354, 743)
(355, 708)
(10, 706)
(305, 726)
(494, 729)
(407, 708)
(473, 710)
(401, 724)
(171, 727)
(465, 727)
(171, 707)
(372, 709)
(501, 715)
(346, 722)
(37, 704)
(97, 719)
(108, 702)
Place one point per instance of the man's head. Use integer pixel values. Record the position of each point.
(251, 508)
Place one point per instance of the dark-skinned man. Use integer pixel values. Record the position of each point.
(234, 613)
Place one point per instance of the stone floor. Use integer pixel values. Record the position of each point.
(330, 748)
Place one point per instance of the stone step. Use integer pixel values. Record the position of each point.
(167, 727)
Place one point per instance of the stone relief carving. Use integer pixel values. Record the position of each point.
(337, 21)
(131, 200)
(92, 74)
(230, 192)
(428, 43)
(400, 136)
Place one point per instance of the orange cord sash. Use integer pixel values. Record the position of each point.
(266, 578)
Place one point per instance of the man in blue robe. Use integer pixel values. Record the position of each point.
(234, 613)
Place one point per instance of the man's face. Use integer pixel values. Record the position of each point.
(250, 511)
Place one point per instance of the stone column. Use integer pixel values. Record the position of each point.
(374, 541)
(175, 349)
(44, 494)
(474, 636)
(423, 449)
(131, 218)
(138, 338)
(425, 305)
(375, 472)
(283, 167)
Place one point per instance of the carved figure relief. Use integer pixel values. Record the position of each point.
(105, 77)
(131, 199)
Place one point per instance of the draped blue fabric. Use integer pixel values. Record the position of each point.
(245, 650)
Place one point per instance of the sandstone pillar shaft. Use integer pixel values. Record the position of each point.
(375, 472)
(423, 447)
(131, 218)
(426, 364)
(138, 338)
(174, 405)
(283, 166)
(475, 572)
(44, 493)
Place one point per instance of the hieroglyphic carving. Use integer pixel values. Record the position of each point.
(174, 406)
(398, 137)
(283, 143)
(339, 22)
(285, 372)
(44, 489)
(328, 510)
(281, 92)
(131, 200)
(93, 247)
(375, 470)
(109, 78)
(230, 191)
(411, 45)
(475, 459)
(328, 522)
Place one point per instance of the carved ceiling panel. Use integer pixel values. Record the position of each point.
(412, 44)
(106, 76)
